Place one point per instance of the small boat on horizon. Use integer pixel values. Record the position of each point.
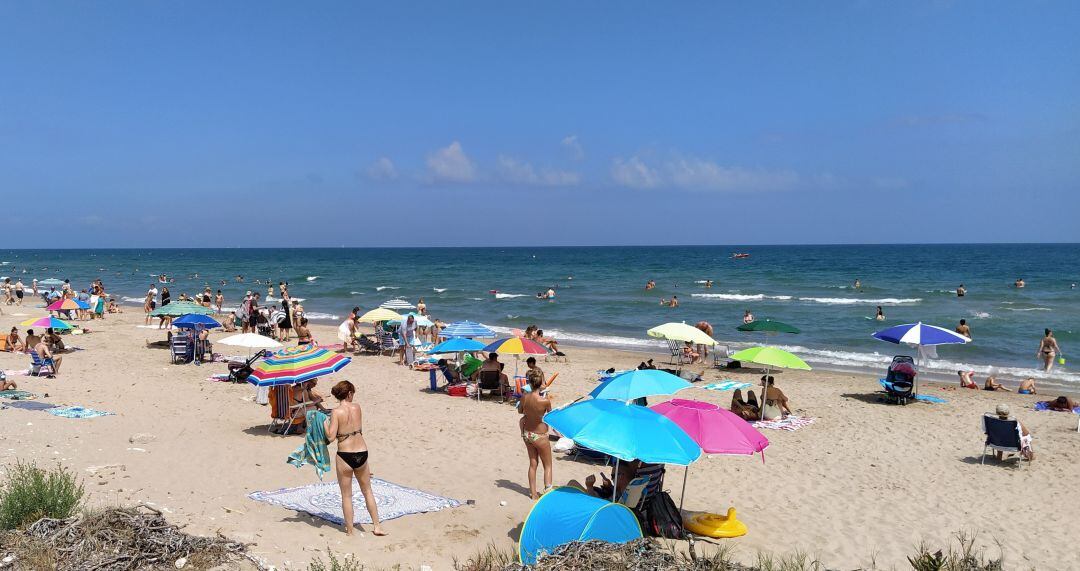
(739, 255)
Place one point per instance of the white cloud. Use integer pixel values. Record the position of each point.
(382, 169)
(521, 172)
(451, 164)
(699, 174)
(633, 172)
(691, 173)
(573, 146)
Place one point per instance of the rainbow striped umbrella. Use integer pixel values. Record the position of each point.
(46, 322)
(296, 365)
(516, 346)
(67, 304)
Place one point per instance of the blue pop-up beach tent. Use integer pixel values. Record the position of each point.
(567, 514)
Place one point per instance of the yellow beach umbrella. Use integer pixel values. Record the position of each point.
(379, 314)
(681, 332)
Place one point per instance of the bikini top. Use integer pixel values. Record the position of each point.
(343, 437)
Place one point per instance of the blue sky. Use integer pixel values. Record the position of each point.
(514, 123)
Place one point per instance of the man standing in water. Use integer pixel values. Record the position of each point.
(963, 329)
(961, 291)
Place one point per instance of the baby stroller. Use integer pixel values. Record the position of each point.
(899, 381)
(239, 372)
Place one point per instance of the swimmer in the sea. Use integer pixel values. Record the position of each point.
(1019, 283)
(880, 314)
(961, 291)
(858, 284)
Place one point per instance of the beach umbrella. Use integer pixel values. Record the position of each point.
(67, 305)
(768, 326)
(715, 430)
(178, 308)
(516, 346)
(770, 357)
(46, 322)
(920, 335)
(421, 320)
(457, 345)
(681, 332)
(296, 365)
(379, 314)
(397, 304)
(636, 384)
(627, 432)
(194, 321)
(466, 329)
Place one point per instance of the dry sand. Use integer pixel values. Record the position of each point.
(866, 481)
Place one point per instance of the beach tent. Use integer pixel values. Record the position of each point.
(567, 514)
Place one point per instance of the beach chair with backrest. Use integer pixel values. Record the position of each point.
(489, 381)
(720, 356)
(387, 342)
(181, 349)
(41, 367)
(675, 348)
(1002, 435)
(283, 412)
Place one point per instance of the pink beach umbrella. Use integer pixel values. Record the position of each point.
(715, 430)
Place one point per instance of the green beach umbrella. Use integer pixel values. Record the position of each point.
(178, 308)
(770, 357)
(768, 326)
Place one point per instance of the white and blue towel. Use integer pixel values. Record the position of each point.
(324, 501)
(76, 412)
(726, 386)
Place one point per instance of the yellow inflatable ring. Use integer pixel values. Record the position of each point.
(715, 525)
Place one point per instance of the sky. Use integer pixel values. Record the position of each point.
(149, 124)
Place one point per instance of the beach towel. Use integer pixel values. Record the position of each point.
(30, 405)
(313, 451)
(930, 398)
(17, 395)
(790, 423)
(14, 373)
(726, 386)
(1045, 405)
(218, 377)
(324, 501)
(76, 412)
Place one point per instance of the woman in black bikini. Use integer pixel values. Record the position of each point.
(346, 427)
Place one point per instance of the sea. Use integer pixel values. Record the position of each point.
(600, 296)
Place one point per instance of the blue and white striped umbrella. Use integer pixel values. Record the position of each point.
(921, 334)
(396, 304)
(467, 329)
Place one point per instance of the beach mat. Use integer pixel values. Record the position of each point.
(726, 386)
(30, 405)
(1045, 405)
(17, 395)
(76, 412)
(324, 501)
(790, 424)
(220, 377)
(16, 373)
(930, 398)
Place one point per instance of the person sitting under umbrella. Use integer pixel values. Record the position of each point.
(56, 344)
(776, 402)
(622, 473)
(690, 354)
(492, 364)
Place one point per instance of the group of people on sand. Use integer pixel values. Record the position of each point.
(967, 381)
(775, 403)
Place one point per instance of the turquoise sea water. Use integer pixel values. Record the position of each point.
(601, 298)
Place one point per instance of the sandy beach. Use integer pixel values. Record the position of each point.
(865, 482)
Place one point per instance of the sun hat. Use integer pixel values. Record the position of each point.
(1003, 410)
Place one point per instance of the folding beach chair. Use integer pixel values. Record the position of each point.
(720, 356)
(675, 348)
(387, 342)
(284, 413)
(490, 381)
(41, 367)
(1002, 436)
(181, 348)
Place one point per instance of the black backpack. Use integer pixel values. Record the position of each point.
(661, 518)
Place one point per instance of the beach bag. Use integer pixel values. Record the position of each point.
(661, 518)
(456, 390)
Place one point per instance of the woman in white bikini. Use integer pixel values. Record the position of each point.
(346, 428)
